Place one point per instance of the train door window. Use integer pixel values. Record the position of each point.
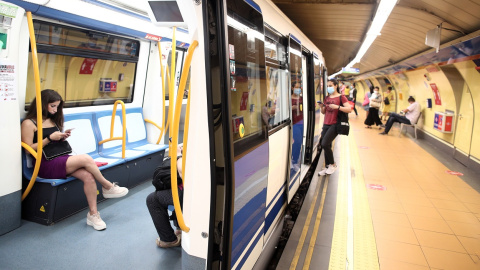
(296, 76)
(248, 89)
(86, 68)
(317, 82)
(276, 109)
(179, 60)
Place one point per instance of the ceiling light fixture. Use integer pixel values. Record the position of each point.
(383, 12)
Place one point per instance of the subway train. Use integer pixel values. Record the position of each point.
(237, 85)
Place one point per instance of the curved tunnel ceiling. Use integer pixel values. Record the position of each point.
(338, 27)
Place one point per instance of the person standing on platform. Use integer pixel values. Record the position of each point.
(387, 107)
(412, 113)
(375, 103)
(353, 98)
(330, 107)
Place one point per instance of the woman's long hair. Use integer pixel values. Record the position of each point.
(335, 85)
(48, 96)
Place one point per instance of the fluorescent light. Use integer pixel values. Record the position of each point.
(383, 12)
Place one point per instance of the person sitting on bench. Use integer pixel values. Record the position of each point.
(411, 116)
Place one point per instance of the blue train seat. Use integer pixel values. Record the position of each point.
(51, 200)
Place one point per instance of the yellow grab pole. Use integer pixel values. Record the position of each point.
(36, 73)
(124, 127)
(185, 133)
(174, 144)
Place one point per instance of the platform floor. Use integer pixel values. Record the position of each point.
(390, 205)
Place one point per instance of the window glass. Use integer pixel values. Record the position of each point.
(296, 81)
(247, 88)
(276, 109)
(85, 73)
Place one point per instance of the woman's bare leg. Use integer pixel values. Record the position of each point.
(86, 162)
(89, 187)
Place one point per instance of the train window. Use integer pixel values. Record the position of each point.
(247, 88)
(276, 110)
(87, 68)
(296, 74)
(179, 61)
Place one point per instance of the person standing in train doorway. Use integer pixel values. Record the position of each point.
(330, 107)
(412, 113)
(82, 167)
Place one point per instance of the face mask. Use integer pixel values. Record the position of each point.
(330, 89)
(297, 91)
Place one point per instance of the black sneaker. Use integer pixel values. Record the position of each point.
(383, 133)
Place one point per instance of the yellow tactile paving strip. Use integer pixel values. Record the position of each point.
(353, 242)
(426, 218)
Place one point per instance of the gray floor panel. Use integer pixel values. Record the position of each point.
(127, 243)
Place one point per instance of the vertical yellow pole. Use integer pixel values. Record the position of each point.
(164, 125)
(36, 74)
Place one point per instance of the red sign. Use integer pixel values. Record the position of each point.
(87, 66)
(244, 101)
(454, 173)
(436, 94)
(376, 187)
(153, 37)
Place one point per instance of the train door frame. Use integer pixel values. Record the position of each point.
(292, 179)
(226, 24)
(310, 127)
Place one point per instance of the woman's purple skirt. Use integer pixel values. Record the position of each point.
(55, 168)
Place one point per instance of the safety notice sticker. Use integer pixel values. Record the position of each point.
(8, 82)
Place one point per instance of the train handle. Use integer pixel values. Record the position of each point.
(124, 127)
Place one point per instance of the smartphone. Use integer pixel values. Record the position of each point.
(70, 129)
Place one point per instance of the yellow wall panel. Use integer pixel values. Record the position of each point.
(472, 78)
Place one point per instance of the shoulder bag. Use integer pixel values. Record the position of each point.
(386, 101)
(342, 126)
(56, 148)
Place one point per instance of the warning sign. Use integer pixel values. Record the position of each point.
(42, 209)
(87, 66)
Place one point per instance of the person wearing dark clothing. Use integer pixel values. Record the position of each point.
(157, 204)
(375, 102)
(412, 113)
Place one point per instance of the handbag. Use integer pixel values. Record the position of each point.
(56, 149)
(374, 104)
(342, 127)
(366, 100)
(386, 101)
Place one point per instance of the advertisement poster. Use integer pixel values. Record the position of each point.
(436, 94)
(244, 101)
(8, 82)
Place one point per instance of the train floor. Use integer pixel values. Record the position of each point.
(390, 205)
(127, 243)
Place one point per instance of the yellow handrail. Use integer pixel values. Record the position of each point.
(124, 125)
(173, 146)
(185, 134)
(38, 95)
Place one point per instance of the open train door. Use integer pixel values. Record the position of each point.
(236, 84)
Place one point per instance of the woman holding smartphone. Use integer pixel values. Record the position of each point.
(330, 107)
(82, 167)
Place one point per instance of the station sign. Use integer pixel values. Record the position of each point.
(350, 70)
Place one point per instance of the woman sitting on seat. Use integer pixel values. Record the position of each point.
(82, 167)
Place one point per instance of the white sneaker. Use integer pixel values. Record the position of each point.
(331, 169)
(96, 221)
(114, 192)
(322, 172)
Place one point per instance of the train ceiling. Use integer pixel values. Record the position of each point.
(338, 27)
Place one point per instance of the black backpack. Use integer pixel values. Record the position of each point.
(162, 178)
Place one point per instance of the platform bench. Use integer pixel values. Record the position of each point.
(51, 200)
